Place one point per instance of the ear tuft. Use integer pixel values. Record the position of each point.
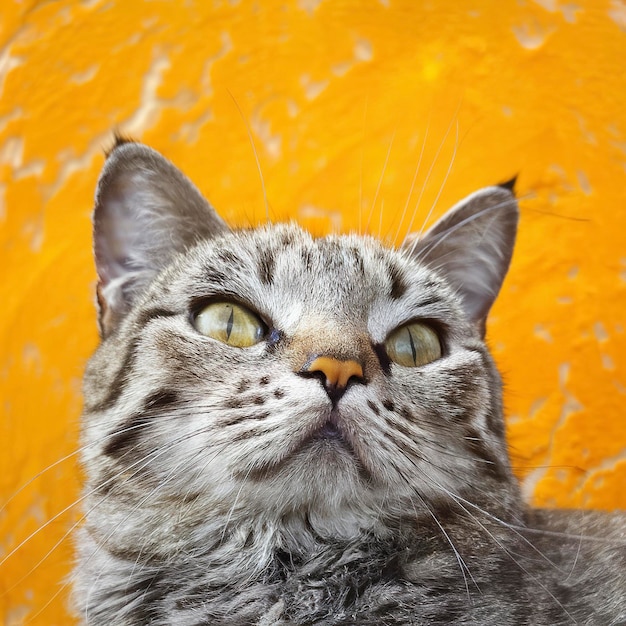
(509, 185)
(118, 140)
(472, 246)
(146, 212)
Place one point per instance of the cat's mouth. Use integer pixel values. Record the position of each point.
(328, 439)
(330, 431)
(333, 430)
(332, 444)
(331, 434)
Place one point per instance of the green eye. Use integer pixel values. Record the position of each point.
(413, 345)
(230, 323)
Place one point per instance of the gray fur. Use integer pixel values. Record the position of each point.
(212, 498)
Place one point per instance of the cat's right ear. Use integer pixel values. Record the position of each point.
(472, 245)
(146, 212)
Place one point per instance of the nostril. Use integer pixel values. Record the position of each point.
(315, 374)
(334, 374)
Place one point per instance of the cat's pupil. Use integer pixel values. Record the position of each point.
(229, 324)
(413, 352)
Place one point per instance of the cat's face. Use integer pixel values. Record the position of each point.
(264, 374)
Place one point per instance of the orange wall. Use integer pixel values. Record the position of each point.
(342, 97)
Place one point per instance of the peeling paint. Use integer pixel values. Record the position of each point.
(543, 333)
(568, 10)
(617, 13)
(12, 152)
(6, 119)
(7, 64)
(599, 331)
(607, 362)
(310, 6)
(33, 169)
(150, 106)
(262, 129)
(312, 89)
(86, 75)
(226, 48)
(583, 181)
(363, 50)
(532, 35)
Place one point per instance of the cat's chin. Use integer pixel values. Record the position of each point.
(321, 474)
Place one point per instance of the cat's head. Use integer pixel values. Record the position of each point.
(263, 373)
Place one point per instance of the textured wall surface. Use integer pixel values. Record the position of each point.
(365, 115)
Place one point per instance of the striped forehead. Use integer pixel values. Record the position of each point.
(283, 264)
(332, 268)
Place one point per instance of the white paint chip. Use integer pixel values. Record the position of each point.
(7, 64)
(583, 181)
(617, 13)
(532, 35)
(271, 142)
(149, 110)
(608, 363)
(310, 6)
(85, 76)
(363, 50)
(12, 152)
(312, 89)
(543, 333)
(567, 10)
(311, 211)
(600, 332)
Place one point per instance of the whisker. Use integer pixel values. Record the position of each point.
(415, 173)
(380, 181)
(234, 505)
(75, 503)
(462, 564)
(67, 457)
(361, 165)
(58, 462)
(149, 458)
(461, 501)
(452, 495)
(256, 155)
(512, 557)
(430, 170)
(443, 184)
(441, 237)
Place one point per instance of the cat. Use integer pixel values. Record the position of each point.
(280, 429)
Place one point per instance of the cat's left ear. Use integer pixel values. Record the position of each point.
(146, 212)
(472, 246)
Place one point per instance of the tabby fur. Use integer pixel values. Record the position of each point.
(216, 492)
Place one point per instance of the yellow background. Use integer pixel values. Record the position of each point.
(347, 104)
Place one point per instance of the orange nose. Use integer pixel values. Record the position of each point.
(337, 373)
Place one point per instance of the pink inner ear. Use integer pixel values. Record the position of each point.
(106, 321)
